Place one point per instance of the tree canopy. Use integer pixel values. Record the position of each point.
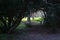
(16, 9)
(8, 7)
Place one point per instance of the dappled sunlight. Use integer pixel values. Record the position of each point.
(29, 20)
(35, 18)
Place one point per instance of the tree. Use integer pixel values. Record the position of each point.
(52, 15)
(12, 11)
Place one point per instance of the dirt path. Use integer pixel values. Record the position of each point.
(34, 33)
(31, 36)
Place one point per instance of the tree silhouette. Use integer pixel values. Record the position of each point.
(12, 11)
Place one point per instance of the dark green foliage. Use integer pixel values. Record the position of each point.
(21, 8)
(52, 19)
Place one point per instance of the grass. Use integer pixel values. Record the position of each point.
(37, 19)
(21, 26)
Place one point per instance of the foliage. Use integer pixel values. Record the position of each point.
(1, 24)
(21, 26)
(21, 8)
(38, 19)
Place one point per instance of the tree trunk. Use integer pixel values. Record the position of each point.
(17, 22)
(10, 25)
(28, 19)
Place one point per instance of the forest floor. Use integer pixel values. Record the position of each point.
(34, 33)
(31, 35)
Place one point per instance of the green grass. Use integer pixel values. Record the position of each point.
(22, 26)
(24, 19)
(36, 19)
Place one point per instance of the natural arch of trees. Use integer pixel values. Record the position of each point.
(12, 11)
